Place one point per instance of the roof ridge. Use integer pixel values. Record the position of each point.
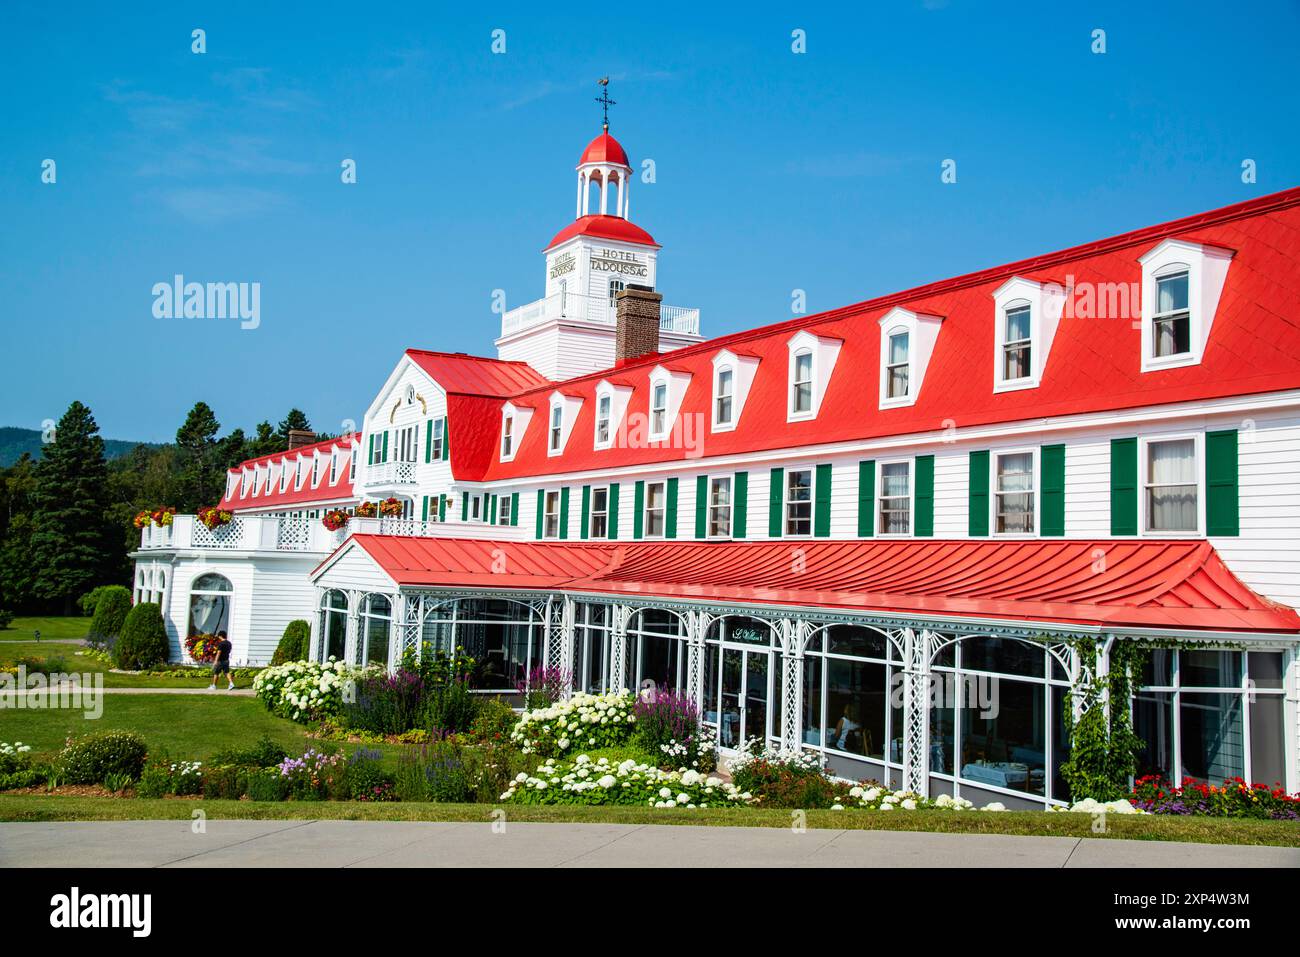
(337, 440)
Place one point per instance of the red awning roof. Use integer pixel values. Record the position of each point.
(1181, 585)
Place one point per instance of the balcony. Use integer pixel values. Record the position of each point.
(244, 533)
(598, 310)
(389, 475)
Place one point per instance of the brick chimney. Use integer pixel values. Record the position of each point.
(300, 437)
(636, 328)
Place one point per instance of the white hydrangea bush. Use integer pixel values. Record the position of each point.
(584, 722)
(584, 781)
(307, 690)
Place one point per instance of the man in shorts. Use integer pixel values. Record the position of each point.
(222, 664)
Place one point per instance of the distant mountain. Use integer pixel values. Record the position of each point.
(14, 442)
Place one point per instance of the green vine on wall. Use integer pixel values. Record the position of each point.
(1103, 745)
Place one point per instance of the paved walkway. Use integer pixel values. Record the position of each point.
(433, 844)
(73, 686)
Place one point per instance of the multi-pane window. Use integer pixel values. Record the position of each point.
(659, 409)
(798, 501)
(507, 436)
(315, 470)
(897, 368)
(723, 396)
(1170, 491)
(438, 425)
(615, 287)
(1013, 499)
(551, 515)
(720, 507)
(895, 498)
(801, 387)
(600, 512)
(503, 509)
(1172, 320)
(1016, 344)
(656, 499)
(602, 420)
(406, 444)
(334, 467)
(557, 421)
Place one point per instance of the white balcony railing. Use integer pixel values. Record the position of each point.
(680, 320)
(389, 475)
(252, 533)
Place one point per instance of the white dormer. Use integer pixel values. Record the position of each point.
(906, 343)
(812, 361)
(563, 413)
(514, 422)
(1025, 316)
(667, 389)
(733, 374)
(284, 475)
(611, 406)
(245, 480)
(1181, 285)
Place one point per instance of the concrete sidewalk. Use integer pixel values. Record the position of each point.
(434, 844)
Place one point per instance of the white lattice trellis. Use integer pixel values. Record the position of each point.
(230, 535)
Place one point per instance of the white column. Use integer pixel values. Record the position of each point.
(1291, 715)
(604, 192)
(313, 622)
(351, 635)
(622, 182)
(793, 635)
(618, 645)
(916, 711)
(582, 181)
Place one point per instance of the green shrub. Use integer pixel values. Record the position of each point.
(91, 759)
(434, 772)
(16, 767)
(293, 644)
(6, 619)
(264, 754)
(225, 782)
(143, 641)
(783, 779)
(90, 600)
(450, 708)
(267, 785)
(162, 776)
(366, 779)
(112, 605)
(493, 722)
(52, 665)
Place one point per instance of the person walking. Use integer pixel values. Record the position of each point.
(222, 664)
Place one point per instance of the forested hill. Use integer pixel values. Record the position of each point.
(14, 442)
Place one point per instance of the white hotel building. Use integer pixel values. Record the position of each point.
(804, 524)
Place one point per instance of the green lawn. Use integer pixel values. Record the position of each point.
(76, 661)
(19, 807)
(24, 629)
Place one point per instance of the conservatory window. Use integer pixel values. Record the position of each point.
(1170, 488)
(376, 624)
(334, 625)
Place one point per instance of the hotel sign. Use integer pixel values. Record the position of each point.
(563, 265)
(620, 263)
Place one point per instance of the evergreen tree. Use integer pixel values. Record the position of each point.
(69, 538)
(233, 449)
(198, 469)
(265, 442)
(295, 420)
(17, 572)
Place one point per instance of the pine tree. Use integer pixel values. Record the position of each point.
(296, 420)
(70, 532)
(17, 573)
(266, 442)
(199, 471)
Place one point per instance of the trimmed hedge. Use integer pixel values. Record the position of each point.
(90, 759)
(293, 645)
(112, 605)
(143, 642)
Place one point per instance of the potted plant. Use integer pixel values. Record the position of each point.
(335, 519)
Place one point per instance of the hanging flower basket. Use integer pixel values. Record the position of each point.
(213, 517)
(142, 519)
(367, 510)
(390, 508)
(335, 519)
(202, 648)
(162, 517)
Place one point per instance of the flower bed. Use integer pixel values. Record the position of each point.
(202, 648)
(306, 690)
(1235, 798)
(584, 722)
(584, 781)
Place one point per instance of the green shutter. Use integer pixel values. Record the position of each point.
(1222, 491)
(612, 521)
(586, 512)
(464, 506)
(514, 508)
(1123, 486)
(701, 506)
(638, 509)
(564, 512)
(541, 508)
(385, 454)
(925, 496)
(428, 441)
(446, 439)
(442, 508)
(866, 498)
(775, 499)
(670, 513)
(424, 510)
(492, 500)
(739, 504)
(977, 521)
(1052, 465)
(370, 460)
(822, 502)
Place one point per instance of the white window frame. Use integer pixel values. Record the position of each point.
(786, 503)
(796, 382)
(825, 353)
(1207, 271)
(352, 463)
(906, 364)
(408, 444)
(550, 515)
(618, 396)
(435, 453)
(647, 510)
(1046, 302)
(878, 518)
(555, 429)
(719, 423)
(1005, 344)
(334, 466)
(743, 367)
(504, 501)
(1198, 470)
(602, 513)
(658, 413)
(1169, 272)
(711, 508)
(1035, 477)
(604, 419)
(922, 331)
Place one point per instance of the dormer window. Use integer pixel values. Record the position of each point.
(812, 361)
(733, 374)
(1017, 342)
(507, 436)
(334, 467)
(611, 407)
(896, 371)
(315, 470)
(603, 406)
(723, 391)
(1172, 320)
(557, 428)
(659, 410)
(564, 412)
(801, 385)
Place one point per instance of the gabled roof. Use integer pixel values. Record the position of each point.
(473, 375)
(339, 490)
(1142, 584)
(604, 227)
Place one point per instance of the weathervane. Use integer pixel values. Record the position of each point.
(604, 99)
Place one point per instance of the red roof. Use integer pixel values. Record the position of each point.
(604, 227)
(473, 375)
(292, 497)
(1140, 584)
(1093, 366)
(604, 149)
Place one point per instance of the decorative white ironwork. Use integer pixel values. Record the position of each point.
(620, 615)
(314, 639)
(389, 474)
(352, 633)
(917, 654)
(410, 527)
(793, 634)
(228, 536)
(413, 626)
(697, 626)
(293, 534)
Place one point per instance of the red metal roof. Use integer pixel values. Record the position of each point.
(1181, 585)
(473, 375)
(324, 491)
(604, 227)
(604, 149)
(1093, 366)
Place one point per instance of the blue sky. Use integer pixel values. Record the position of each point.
(775, 171)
